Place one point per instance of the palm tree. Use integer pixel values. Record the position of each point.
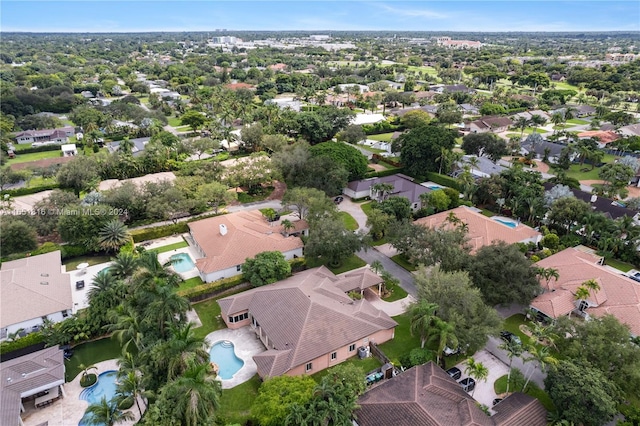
(106, 413)
(542, 355)
(196, 395)
(287, 225)
(422, 315)
(165, 306)
(102, 282)
(124, 265)
(86, 368)
(473, 162)
(477, 370)
(130, 388)
(547, 274)
(113, 235)
(595, 157)
(513, 349)
(181, 350)
(126, 146)
(557, 119)
(127, 326)
(443, 333)
(537, 120)
(521, 123)
(381, 190)
(376, 266)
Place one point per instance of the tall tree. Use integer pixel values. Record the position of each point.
(266, 268)
(113, 235)
(106, 413)
(421, 146)
(422, 315)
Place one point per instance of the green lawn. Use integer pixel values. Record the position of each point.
(583, 172)
(424, 69)
(209, 313)
(34, 156)
(349, 222)
(401, 260)
(379, 242)
(170, 247)
(402, 343)
(488, 213)
(190, 283)
(348, 264)
(620, 265)
(513, 323)
(397, 294)
(73, 263)
(383, 137)
(235, 403)
(366, 208)
(561, 85)
(500, 386)
(90, 353)
(174, 121)
(577, 121)
(244, 197)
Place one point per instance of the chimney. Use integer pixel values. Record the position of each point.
(223, 229)
(594, 198)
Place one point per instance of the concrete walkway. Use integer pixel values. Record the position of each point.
(484, 392)
(392, 309)
(246, 345)
(405, 277)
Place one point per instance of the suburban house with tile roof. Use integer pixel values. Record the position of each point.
(60, 135)
(427, 395)
(482, 230)
(619, 295)
(603, 137)
(490, 124)
(308, 322)
(403, 186)
(630, 130)
(33, 289)
(25, 377)
(224, 242)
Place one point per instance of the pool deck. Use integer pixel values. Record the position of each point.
(70, 409)
(166, 256)
(246, 346)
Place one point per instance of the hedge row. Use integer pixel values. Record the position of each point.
(442, 180)
(27, 191)
(384, 173)
(208, 290)
(41, 148)
(379, 157)
(22, 342)
(145, 234)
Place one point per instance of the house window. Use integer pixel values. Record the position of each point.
(238, 318)
(239, 268)
(309, 366)
(231, 319)
(352, 347)
(65, 314)
(334, 356)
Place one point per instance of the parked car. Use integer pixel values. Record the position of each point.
(67, 352)
(338, 199)
(495, 401)
(448, 351)
(468, 384)
(508, 336)
(454, 372)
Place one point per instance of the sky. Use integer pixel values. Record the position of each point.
(376, 15)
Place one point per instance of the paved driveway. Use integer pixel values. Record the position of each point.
(484, 392)
(354, 210)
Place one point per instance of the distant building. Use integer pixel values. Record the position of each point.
(490, 124)
(458, 44)
(403, 186)
(319, 37)
(60, 135)
(225, 40)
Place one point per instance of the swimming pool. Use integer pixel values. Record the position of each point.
(224, 355)
(182, 262)
(106, 386)
(509, 223)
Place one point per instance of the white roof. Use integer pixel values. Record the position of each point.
(368, 118)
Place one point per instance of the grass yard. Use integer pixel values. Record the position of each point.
(366, 365)
(576, 172)
(398, 293)
(488, 213)
(402, 343)
(500, 386)
(348, 264)
(383, 137)
(619, 265)
(174, 121)
(235, 403)
(366, 208)
(244, 197)
(90, 353)
(170, 247)
(349, 222)
(561, 85)
(73, 263)
(34, 156)
(577, 121)
(190, 283)
(209, 313)
(379, 242)
(401, 260)
(513, 324)
(423, 69)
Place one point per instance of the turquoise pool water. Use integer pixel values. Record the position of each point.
(106, 387)
(509, 223)
(434, 187)
(182, 262)
(224, 355)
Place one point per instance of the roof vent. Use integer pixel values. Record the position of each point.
(44, 275)
(223, 229)
(594, 198)
(44, 282)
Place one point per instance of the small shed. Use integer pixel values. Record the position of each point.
(69, 150)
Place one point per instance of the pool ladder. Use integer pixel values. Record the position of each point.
(226, 344)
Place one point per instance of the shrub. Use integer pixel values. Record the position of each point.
(88, 380)
(47, 247)
(442, 180)
(383, 173)
(69, 250)
(354, 295)
(27, 191)
(41, 148)
(208, 290)
(145, 234)
(298, 264)
(22, 342)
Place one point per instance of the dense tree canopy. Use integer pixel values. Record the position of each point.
(266, 268)
(349, 157)
(422, 146)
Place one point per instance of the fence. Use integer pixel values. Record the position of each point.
(377, 352)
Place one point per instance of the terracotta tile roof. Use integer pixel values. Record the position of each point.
(482, 230)
(32, 288)
(28, 374)
(492, 122)
(248, 233)
(306, 316)
(235, 86)
(619, 295)
(520, 409)
(603, 136)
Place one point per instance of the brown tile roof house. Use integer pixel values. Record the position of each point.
(26, 376)
(308, 322)
(619, 295)
(482, 229)
(493, 124)
(425, 395)
(403, 186)
(604, 137)
(236, 86)
(226, 241)
(32, 288)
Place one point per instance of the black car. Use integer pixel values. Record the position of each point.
(454, 372)
(508, 336)
(468, 384)
(497, 400)
(338, 199)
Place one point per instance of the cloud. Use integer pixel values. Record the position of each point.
(412, 13)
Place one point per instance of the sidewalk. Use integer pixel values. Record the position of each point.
(392, 309)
